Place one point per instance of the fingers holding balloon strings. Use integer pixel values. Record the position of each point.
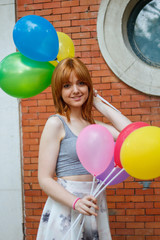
(87, 205)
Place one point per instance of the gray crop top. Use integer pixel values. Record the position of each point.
(68, 163)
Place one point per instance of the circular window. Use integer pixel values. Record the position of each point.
(129, 39)
(144, 31)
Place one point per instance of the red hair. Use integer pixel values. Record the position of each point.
(61, 75)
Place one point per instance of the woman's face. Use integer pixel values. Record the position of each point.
(74, 92)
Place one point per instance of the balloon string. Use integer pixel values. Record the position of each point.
(91, 191)
(100, 185)
(108, 103)
(93, 182)
(97, 194)
(79, 216)
(81, 228)
(73, 225)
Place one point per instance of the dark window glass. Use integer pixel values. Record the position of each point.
(144, 31)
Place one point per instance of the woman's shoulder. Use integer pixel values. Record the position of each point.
(54, 122)
(53, 128)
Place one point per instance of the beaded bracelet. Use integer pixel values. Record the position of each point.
(73, 206)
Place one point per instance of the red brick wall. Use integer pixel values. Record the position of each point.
(134, 212)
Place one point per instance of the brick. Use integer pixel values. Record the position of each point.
(73, 30)
(81, 35)
(153, 211)
(144, 191)
(91, 54)
(37, 1)
(70, 3)
(118, 238)
(101, 73)
(144, 205)
(89, 15)
(144, 232)
(30, 129)
(87, 2)
(135, 212)
(88, 28)
(22, 14)
(79, 9)
(144, 218)
(130, 104)
(140, 111)
(117, 225)
(62, 24)
(109, 92)
(51, 5)
(44, 12)
(120, 98)
(33, 205)
(70, 16)
(84, 22)
(126, 232)
(125, 192)
(135, 225)
(31, 231)
(61, 10)
(152, 198)
(134, 198)
(152, 237)
(33, 6)
(152, 225)
(32, 193)
(135, 238)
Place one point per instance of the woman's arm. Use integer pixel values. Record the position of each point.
(118, 120)
(48, 153)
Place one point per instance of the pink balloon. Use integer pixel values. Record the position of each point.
(122, 136)
(95, 148)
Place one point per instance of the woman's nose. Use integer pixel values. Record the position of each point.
(75, 88)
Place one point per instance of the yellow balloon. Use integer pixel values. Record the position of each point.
(140, 153)
(66, 48)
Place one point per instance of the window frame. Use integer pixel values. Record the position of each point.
(115, 47)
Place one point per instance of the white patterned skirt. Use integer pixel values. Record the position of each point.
(57, 219)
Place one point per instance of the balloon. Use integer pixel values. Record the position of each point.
(122, 136)
(140, 153)
(95, 147)
(66, 48)
(120, 178)
(22, 77)
(36, 38)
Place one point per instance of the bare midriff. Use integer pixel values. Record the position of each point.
(81, 178)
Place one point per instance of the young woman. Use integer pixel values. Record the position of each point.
(69, 194)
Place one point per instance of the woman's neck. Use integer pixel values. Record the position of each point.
(76, 114)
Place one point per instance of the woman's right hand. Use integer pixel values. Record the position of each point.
(87, 205)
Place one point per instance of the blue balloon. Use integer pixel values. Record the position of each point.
(36, 38)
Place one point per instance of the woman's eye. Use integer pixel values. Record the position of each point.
(66, 85)
(81, 83)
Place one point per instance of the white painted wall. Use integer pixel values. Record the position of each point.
(11, 213)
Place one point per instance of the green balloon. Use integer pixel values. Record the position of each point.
(22, 77)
